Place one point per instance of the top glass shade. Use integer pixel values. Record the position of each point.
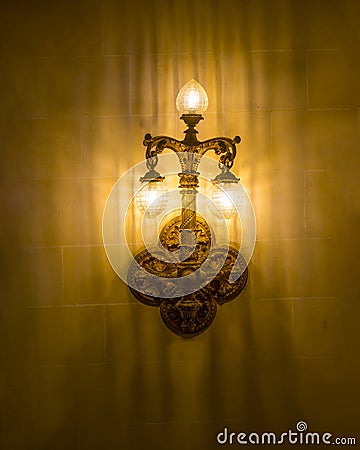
(192, 98)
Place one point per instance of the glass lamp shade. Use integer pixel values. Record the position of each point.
(225, 197)
(151, 198)
(192, 98)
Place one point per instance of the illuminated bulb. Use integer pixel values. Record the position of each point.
(224, 200)
(192, 98)
(151, 199)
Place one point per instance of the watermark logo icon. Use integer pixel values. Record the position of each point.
(301, 426)
(300, 437)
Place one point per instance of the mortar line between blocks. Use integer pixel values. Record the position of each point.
(307, 78)
(82, 153)
(188, 435)
(305, 205)
(104, 337)
(62, 276)
(102, 29)
(271, 140)
(131, 71)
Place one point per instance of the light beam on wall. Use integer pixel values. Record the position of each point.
(190, 271)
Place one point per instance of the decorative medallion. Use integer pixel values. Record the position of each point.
(189, 315)
(159, 274)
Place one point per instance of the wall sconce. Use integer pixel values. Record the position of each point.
(190, 271)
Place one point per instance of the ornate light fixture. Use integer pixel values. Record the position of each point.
(188, 274)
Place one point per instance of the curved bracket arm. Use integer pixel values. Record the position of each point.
(221, 146)
(158, 144)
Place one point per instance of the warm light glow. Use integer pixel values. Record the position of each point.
(192, 98)
(224, 200)
(151, 198)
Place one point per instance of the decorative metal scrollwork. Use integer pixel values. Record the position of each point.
(191, 314)
(223, 146)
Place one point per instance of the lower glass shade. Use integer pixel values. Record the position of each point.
(224, 197)
(151, 199)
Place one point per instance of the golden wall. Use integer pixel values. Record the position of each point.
(84, 366)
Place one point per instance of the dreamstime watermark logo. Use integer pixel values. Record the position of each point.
(300, 436)
(120, 205)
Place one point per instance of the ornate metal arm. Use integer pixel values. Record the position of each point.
(158, 144)
(220, 145)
